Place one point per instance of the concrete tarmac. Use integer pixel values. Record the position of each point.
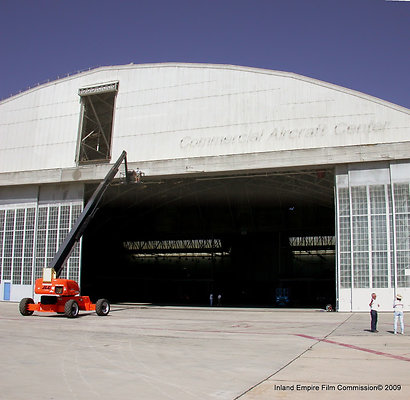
(159, 353)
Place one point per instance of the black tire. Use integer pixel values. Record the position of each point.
(71, 309)
(23, 306)
(102, 307)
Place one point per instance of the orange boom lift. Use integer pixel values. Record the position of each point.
(63, 295)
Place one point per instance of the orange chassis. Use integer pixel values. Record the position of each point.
(84, 304)
(62, 296)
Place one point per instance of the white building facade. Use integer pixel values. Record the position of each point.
(187, 119)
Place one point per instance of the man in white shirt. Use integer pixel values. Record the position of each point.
(374, 306)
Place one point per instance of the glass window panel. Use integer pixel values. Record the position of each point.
(27, 270)
(360, 234)
(18, 243)
(42, 218)
(361, 270)
(377, 199)
(402, 198)
(7, 263)
(359, 200)
(17, 267)
(65, 217)
(403, 262)
(344, 202)
(8, 244)
(402, 231)
(2, 218)
(10, 214)
(379, 232)
(380, 269)
(344, 234)
(345, 271)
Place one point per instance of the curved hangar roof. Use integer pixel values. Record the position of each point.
(193, 118)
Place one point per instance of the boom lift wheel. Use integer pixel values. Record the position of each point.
(23, 306)
(102, 307)
(71, 309)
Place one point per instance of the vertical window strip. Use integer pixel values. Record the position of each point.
(74, 260)
(41, 243)
(17, 257)
(18, 246)
(8, 244)
(379, 240)
(402, 222)
(403, 262)
(52, 232)
(64, 229)
(345, 275)
(360, 235)
(2, 228)
(28, 259)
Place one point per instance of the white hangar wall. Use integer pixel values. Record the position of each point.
(176, 119)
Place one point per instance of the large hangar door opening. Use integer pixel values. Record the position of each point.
(256, 240)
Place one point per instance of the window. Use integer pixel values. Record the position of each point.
(402, 208)
(97, 113)
(16, 244)
(379, 236)
(54, 223)
(21, 240)
(344, 238)
(360, 236)
(380, 244)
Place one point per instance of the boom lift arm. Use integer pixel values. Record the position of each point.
(86, 216)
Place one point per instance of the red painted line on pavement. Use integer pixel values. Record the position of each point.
(352, 346)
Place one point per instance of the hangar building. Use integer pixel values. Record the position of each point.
(266, 187)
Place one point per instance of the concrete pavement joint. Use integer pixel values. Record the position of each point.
(270, 376)
(351, 346)
(291, 361)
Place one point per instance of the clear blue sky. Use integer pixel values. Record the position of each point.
(359, 44)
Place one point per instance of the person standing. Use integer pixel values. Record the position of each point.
(211, 299)
(398, 313)
(219, 299)
(374, 306)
